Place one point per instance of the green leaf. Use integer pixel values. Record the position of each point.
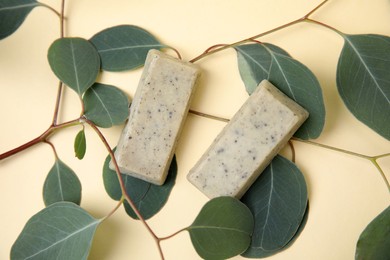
(222, 229)
(278, 200)
(75, 61)
(106, 105)
(124, 47)
(374, 242)
(257, 62)
(80, 145)
(61, 184)
(149, 198)
(61, 231)
(363, 80)
(12, 15)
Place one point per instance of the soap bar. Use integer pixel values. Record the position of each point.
(247, 144)
(157, 113)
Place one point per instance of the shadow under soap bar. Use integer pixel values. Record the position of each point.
(157, 113)
(248, 143)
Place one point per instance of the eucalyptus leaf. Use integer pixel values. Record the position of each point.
(61, 231)
(75, 61)
(148, 198)
(106, 105)
(257, 62)
(374, 242)
(222, 229)
(61, 184)
(80, 145)
(124, 47)
(13, 13)
(278, 200)
(363, 80)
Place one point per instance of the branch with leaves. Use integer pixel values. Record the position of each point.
(225, 226)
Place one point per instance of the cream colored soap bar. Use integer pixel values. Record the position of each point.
(160, 105)
(247, 144)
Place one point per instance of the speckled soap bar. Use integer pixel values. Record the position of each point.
(160, 105)
(247, 144)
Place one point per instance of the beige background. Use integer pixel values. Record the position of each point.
(346, 192)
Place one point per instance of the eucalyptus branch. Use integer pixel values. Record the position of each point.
(221, 47)
(122, 185)
(42, 138)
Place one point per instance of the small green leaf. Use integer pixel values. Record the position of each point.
(80, 145)
(61, 231)
(257, 62)
(278, 200)
(61, 184)
(149, 198)
(374, 242)
(363, 80)
(106, 105)
(75, 61)
(124, 47)
(222, 229)
(12, 15)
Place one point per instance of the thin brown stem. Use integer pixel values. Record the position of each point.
(213, 49)
(50, 8)
(172, 235)
(62, 19)
(58, 103)
(209, 116)
(60, 85)
(42, 138)
(53, 148)
(315, 9)
(122, 185)
(292, 151)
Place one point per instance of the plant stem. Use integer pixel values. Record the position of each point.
(372, 159)
(60, 85)
(208, 116)
(174, 234)
(221, 47)
(50, 8)
(53, 148)
(42, 138)
(324, 25)
(122, 185)
(120, 202)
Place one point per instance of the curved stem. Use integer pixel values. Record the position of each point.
(325, 25)
(221, 47)
(53, 148)
(115, 209)
(122, 185)
(50, 8)
(172, 235)
(42, 138)
(373, 160)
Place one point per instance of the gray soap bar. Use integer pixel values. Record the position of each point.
(247, 144)
(160, 105)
